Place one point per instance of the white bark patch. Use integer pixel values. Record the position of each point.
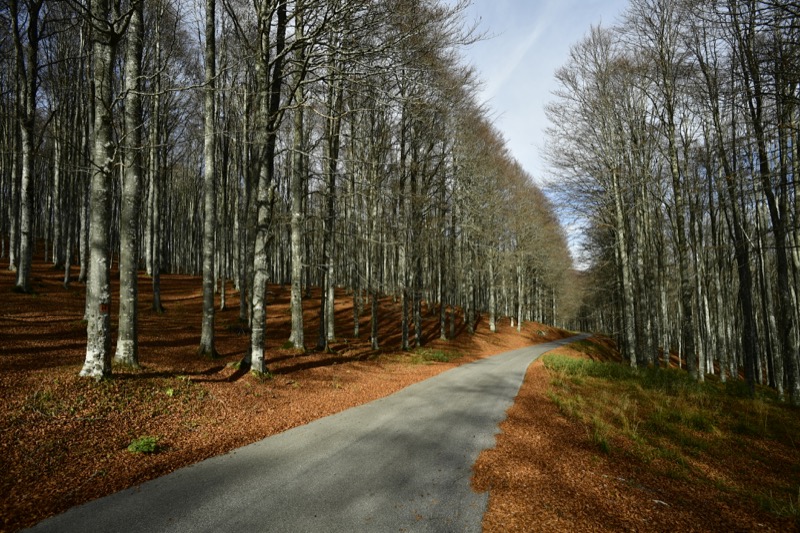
(93, 366)
(257, 359)
(124, 352)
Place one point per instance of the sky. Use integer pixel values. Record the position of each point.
(528, 41)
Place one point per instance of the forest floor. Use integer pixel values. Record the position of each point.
(66, 439)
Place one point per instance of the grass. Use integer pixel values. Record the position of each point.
(428, 355)
(780, 507)
(682, 429)
(144, 444)
(601, 431)
(262, 376)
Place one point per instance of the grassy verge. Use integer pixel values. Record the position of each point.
(712, 433)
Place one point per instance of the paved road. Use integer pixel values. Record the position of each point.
(401, 463)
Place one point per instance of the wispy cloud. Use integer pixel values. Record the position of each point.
(530, 40)
(512, 62)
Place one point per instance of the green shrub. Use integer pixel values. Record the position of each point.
(145, 444)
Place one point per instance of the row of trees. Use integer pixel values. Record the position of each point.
(329, 144)
(676, 132)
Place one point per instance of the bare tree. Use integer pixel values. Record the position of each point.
(105, 38)
(269, 74)
(127, 351)
(27, 68)
(207, 348)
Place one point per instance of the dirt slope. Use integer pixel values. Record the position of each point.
(65, 438)
(545, 474)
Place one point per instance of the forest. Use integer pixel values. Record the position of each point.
(336, 145)
(223, 219)
(343, 145)
(674, 135)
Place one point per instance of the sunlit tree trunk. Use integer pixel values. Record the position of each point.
(14, 178)
(127, 351)
(207, 348)
(333, 125)
(297, 191)
(620, 229)
(492, 296)
(84, 185)
(59, 188)
(98, 289)
(156, 187)
(270, 83)
(245, 214)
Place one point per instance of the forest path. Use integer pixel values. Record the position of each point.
(401, 463)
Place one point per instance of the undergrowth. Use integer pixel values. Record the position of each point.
(144, 444)
(429, 355)
(675, 425)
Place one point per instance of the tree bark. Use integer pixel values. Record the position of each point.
(98, 290)
(332, 145)
(270, 87)
(28, 68)
(127, 351)
(298, 180)
(156, 186)
(207, 348)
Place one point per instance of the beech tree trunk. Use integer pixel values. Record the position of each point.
(127, 351)
(627, 295)
(27, 56)
(207, 348)
(98, 290)
(298, 181)
(59, 188)
(153, 230)
(332, 144)
(492, 297)
(270, 100)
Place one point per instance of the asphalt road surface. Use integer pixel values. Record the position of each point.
(401, 463)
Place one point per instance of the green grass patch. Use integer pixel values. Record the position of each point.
(571, 406)
(681, 428)
(430, 355)
(781, 505)
(601, 432)
(262, 376)
(144, 444)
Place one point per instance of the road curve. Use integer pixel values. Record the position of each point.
(401, 463)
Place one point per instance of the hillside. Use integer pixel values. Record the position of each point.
(585, 448)
(592, 445)
(66, 438)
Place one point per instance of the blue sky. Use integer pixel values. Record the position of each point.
(529, 40)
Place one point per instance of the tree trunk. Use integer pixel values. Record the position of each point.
(207, 348)
(127, 351)
(297, 337)
(245, 215)
(269, 115)
(60, 217)
(520, 297)
(29, 72)
(153, 230)
(332, 145)
(492, 298)
(98, 290)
